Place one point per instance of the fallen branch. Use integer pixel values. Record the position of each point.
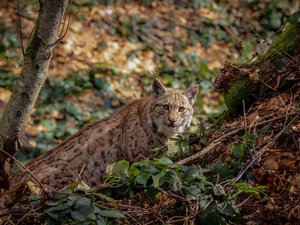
(265, 148)
(209, 148)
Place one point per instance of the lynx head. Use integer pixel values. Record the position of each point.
(171, 110)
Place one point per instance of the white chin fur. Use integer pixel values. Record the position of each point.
(167, 131)
(164, 129)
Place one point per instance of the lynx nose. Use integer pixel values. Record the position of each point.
(172, 120)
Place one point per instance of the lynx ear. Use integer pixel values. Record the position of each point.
(158, 89)
(191, 93)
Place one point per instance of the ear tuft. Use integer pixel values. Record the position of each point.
(158, 89)
(191, 93)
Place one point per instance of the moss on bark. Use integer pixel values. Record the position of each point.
(35, 43)
(288, 41)
(234, 84)
(236, 94)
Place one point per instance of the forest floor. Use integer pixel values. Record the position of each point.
(105, 61)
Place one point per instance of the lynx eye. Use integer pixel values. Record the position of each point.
(165, 107)
(181, 109)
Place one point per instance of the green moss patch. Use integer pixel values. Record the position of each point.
(34, 44)
(287, 41)
(235, 94)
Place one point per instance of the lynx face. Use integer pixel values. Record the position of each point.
(171, 110)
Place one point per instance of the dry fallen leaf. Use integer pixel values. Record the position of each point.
(34, 189)
(271, 162)
(83, 186)
(109, 168)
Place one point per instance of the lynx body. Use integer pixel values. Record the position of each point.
(134, 130)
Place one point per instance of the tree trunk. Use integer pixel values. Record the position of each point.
(37, 58)
(274, 71)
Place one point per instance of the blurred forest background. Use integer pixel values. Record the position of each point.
(106, 58)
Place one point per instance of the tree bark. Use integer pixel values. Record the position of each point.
(37, 58)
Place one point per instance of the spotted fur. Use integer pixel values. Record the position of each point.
(134, 130)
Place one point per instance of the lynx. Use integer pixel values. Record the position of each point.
(133, 131)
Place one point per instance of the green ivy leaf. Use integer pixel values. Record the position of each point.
(148, 169)
(133, 170)
(58, 211)
(218, 190)
(159, 179)
(261, 187)
(294, 18)
(51, 203)
(59, 196)
(85, 210)
(72, 199)
(221, 169)
(165, 161)
(191, 173)
(142, 179)
(91, 217)
(184, 168)
(228, 210)
(77, 216)
(237, 151)
(193, 190)
(109, 213)
(216, 167)
(101, 220)
(253, 193)
(103, 197)
(172, 174)
(49, 124)
(211, 216)
(240, 186)
(83, 201)
(253, 137)
(120, 168)
(99, 83)
(60, 207)
(246, 137)
(73, 111)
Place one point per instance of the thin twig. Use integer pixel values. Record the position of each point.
(27, 170)
(191, 217)
(244, 111)
(7, 220)
(243, 202)
(217, 141)
(69, 20)
(265, 148)
(79, 175)
(23, 217)
(24, 16)
(286, 110)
